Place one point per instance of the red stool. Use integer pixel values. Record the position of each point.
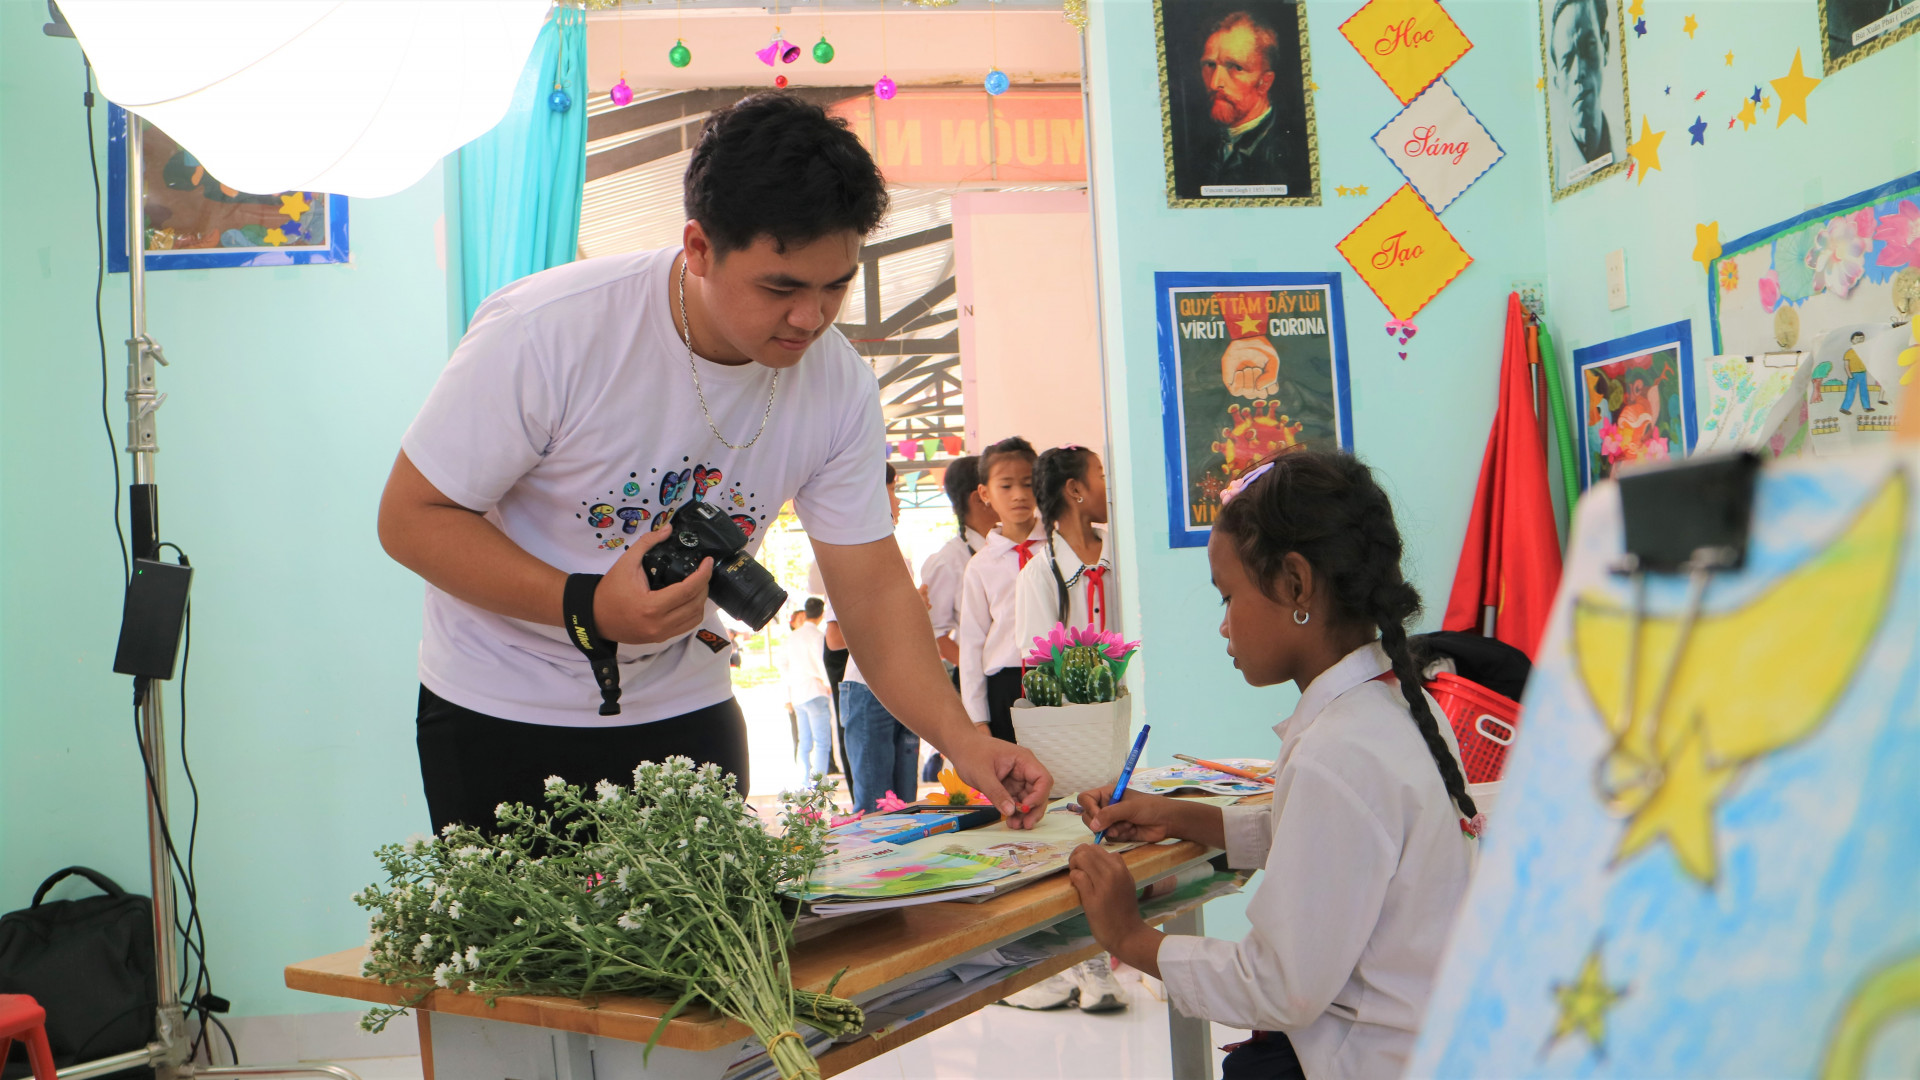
(22, 1018)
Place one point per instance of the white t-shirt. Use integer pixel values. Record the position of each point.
(568, 417)
(942, 574)
(805, 665)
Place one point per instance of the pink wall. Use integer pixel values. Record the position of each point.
(1029, 345)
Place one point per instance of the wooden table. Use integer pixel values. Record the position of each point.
(554, 1038)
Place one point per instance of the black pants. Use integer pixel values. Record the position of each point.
(1003, 689)
(471, 762)
(1267, 1056)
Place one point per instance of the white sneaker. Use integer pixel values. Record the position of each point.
(1051, 994)
(1099, 991)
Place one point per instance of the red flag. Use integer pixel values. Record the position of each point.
(1510, 562)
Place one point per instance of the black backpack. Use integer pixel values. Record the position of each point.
(89, 963)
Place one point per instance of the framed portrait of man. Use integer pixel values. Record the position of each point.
(1851, 30)
(1589, 123)
(1236, 115)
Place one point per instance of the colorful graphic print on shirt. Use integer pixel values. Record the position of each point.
(616, 516)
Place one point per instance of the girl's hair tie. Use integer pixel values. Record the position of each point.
(1234, 489)
(1474, 826)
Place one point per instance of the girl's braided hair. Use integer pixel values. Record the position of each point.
(1327, 506)
(1050, 475)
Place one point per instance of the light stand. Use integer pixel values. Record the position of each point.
(167, 1054)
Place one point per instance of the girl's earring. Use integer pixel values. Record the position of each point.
(1300, 617)
(1079, 499)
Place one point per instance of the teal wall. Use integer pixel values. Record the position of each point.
(1421, 422)
(288, 391)
(1862, 129)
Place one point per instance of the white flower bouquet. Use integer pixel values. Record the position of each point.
(670, 889)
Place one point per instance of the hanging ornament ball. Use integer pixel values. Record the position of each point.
(823, 51)
(679, 56)
(996, 82)
(559, 101)
(884, 89)
(780, 81)
(621, 94)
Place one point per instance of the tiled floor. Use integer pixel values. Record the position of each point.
(998, 1043)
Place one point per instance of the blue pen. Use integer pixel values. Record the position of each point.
(1126, 773)
(946, 823)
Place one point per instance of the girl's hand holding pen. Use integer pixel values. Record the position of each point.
(1138, 818)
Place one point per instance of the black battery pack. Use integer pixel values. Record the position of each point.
(150, 623)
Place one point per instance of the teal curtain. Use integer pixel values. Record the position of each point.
(521, 183)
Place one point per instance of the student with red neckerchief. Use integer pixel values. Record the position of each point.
(990, 650)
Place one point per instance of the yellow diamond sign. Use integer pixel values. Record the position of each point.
(1408, 43)
(1404, 254)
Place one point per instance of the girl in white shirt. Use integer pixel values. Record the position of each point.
(989, 654)
(1070, 579)
(1368, 843)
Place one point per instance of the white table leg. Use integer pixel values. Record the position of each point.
(468, 1048)
(1191, 1039)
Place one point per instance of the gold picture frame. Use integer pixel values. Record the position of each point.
(1618, 165)
(1832, 61)
(1176, 144)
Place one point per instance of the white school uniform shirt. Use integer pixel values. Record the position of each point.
(806, 664)
(1092, 592)
(942, 574)
(1366, 867)
(986, 636)
(568, 417)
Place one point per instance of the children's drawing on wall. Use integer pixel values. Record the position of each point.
(1250, 364)
(1706, 782)
(1635, 400)
(1584, 50)
(193, 221)
(1852, 30)
(1852, 262)
(1737, 395)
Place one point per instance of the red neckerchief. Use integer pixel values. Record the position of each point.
(1096, 577)
(1024, 549)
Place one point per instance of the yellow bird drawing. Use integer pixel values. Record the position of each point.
(1753, 679)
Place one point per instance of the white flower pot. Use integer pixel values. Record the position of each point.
(1083, 746)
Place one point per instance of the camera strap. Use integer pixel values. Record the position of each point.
(576, 609)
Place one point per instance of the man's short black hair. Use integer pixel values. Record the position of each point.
(815, 607)
(774, 165)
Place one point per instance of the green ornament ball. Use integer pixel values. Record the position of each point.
(823, 51)
(679, 56)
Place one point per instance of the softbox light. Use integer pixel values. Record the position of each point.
(354, 97)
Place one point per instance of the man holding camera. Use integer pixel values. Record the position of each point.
(600, 410)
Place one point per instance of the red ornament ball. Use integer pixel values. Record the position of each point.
(780, 81)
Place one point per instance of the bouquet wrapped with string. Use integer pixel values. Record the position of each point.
(668, 889)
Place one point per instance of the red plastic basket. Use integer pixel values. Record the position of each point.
(1484, 723)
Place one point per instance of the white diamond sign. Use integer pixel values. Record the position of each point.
(1438, 145)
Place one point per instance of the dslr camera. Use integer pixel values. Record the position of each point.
(742, 587)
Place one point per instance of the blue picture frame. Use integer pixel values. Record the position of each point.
(1615, 361)
(335, 250)
(1305, 401)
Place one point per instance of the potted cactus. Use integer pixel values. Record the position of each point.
(1077, 715)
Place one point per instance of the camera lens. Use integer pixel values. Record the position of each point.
(745, 590)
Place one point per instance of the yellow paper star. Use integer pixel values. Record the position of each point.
(1584, 1002)
(1248, 324)
(1766, 104)
(1342, 189)
(1637, 8)
(1361, 190)
(1793, 89)
(275, 237)
(1746, 114)
(1542, 84)
(1313, 86)
(1706, 243)
(1646, 151)
(1729, 59)
(1681, 809)
(294, 205)
(1690, 26)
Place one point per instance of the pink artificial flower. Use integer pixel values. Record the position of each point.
(1769, 291)
(834, 823)
(890, 802)
(1838, 257)
(1901, 231)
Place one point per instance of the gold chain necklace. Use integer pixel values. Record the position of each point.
(686, 335)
